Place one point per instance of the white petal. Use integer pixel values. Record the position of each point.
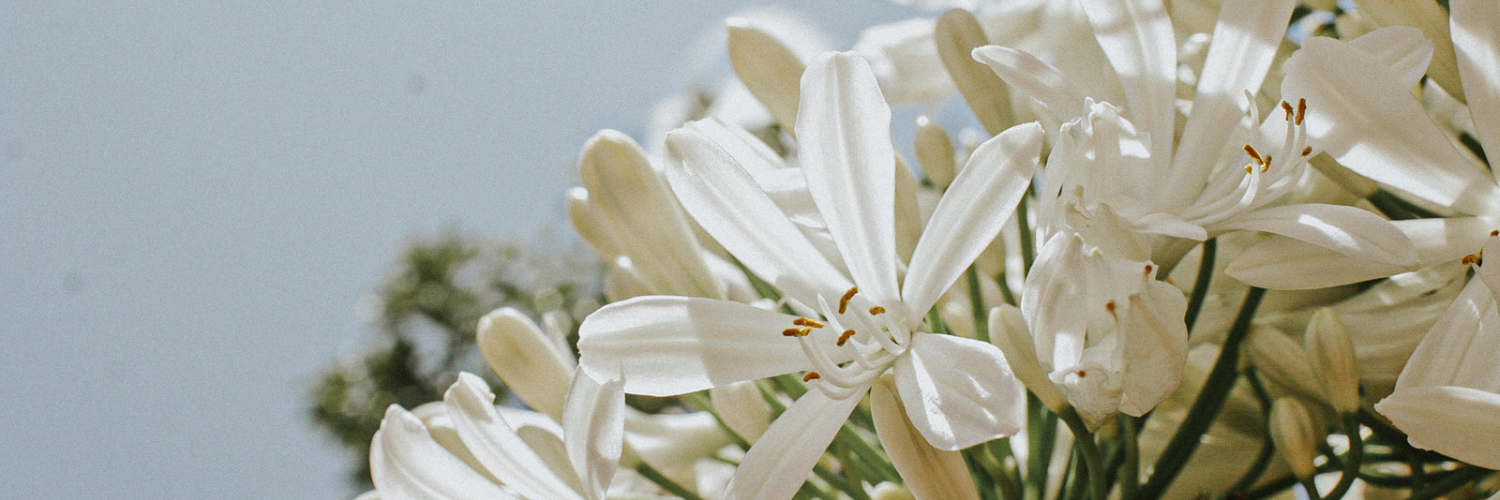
(1343, 229)
(1455, 421)
(725, 200)
(743, 409)
(1476, 39)
(778, 464)
(1155, 347)
(406, 463)
(971, 213)
(767, 67)
(1432, 20)
(671, 442)
(522, 356)
(1360, 114)
(1282, 263)
(959, 392)
(1035, 79)
(1136, 36)
(930, 473)
(1008, 332)
(844, 132)
(1056, 278)
(496, 445)
(1403, 49)
(956, 35)
(1446, 239)
(590, 224)
(593, 430)
(665, 346)
(1244, 41)
(1462, 346)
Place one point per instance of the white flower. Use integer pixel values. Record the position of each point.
(953, 392)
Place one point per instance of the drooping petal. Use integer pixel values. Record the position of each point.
(971, 214)
(778, 464)
(1155, 347)
(1244, 41)
(1403, 49)
(1360, 114)
(959, 392)
(593, 431)
(522, 356)
(1136, 36)
(1476, 39)
(406, 463)
(1455, 421)
(1341, 228)
(496, 444)
(844, 132)
(930, 473)
(665, 346)
(725, 200)
(1035, 79)
(1282, 263)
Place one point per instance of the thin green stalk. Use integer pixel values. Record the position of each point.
(838, 482)
(1028, 247)
(1000, 449)
(1200, 285)
(1310, 486)
(1041, 428)
(1130, 474)
(1010, 297)
(1267, 448)
(1418, 472)
(664, 482)
(1352, 460)
(1206, 408)
(1083, 440)
(1458, 478)
(976, 302)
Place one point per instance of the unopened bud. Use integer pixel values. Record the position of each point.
(957, 35)
(1283, 361)
(934, 150)
(742, 408)
(590, 224)
(1332, 356)
(524, 358)
(1294, 436)
(771, 71)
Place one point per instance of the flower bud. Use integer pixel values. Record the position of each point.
(934, 149)
(590, 224)
(742, 408)
(1295, 438)
(957, 35)
(1283, 361)
(1008, 331)
(771, 71)
(522, 355)
(1332, 356)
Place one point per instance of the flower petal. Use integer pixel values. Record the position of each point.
(767, 67)
(970, 214)
(930, 473)
(1455, 421)
(1361, 115)
(1401, 48)
(1008, 332)
(959, 392)
(1155, 347)
(406, 463)
(725, 200)
(1476, 39)
(1136, 36)
(522, 356)
(1055, 279)
(665, 346)
(956, 35)
(1430, 18)
(778, 464)
(593, 431)
(1462, 346)
(1282, 263)
(1343, 229)
(1035, 79)
(496, 445)
(844, 132)
(1244, 41)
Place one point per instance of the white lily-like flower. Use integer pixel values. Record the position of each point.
(953, 392)
(1448, 396)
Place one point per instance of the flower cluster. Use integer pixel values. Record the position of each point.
(1235, 248)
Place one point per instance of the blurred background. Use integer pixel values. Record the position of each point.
(207, 207)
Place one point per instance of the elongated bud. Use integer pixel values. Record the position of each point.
(590, 224)
(1283, 361)
(742, 408)
(1332, 356)
(1008, 331)
(909, 222)
(934, 150)
(957, 35)
(622, 281)
(522, 355)
(1295, 438)
(771, 71)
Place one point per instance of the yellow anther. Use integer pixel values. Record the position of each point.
(844, 302)
(1301, 110)
(1267, 165)
(1288, 108)
(1149, 268)
(845, 337)
(1471, 259)
(807, 322)
(796, 332)
(876, 310)
(1110, 306)
(1307, 151)
(1082, 373)
(1495, 232)
(1248, 167)
(810, 376)
(1254, 155)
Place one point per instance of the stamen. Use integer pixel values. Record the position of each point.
(1250, 150)
(1082, 373)
(876, 310)
(807, 322)
(1471, 259)
(1301, 110)
(1248, 167)
(845, 337)
(1307, 151)
(1149, 268)
(844, 302)
(796, 332)
(1267, 165)
(1495, 232)
(1288, 108)
(1110, 306)
(810, 376)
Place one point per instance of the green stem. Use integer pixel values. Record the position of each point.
(1130, 474)
(1083, 439)
(1200, 285)
(1041, 428)
(976, 302)
(664, 482)
(1028, 246)
(1311, 487)
(1351, 461)
(1450, 482)
(1206, 408)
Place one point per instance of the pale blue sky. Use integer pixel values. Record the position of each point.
(194, 195)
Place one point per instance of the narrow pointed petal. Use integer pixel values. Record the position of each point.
(1361, 115)
(1455, 421)
(1462, 346)
(406, 463)
(1403, 49)
(1155, 347)
(778, 464)
(1058, 332)
(594, 430)
(767, 67)
(1476, 39)
(725, 200)
(521, 355)
(930, 473)
(844, 131)
(1282, 263)
(971, 213)
(1446, 239)
(959, 392)
(1343, 229)
(1035, 79)
(665, 346)
(496, 445)
(1244, 41)
(957, 34)
(1429, 17)
(1136, 36)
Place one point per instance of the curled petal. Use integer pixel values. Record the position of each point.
(959, 392)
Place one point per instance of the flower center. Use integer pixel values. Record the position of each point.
(849, 347)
